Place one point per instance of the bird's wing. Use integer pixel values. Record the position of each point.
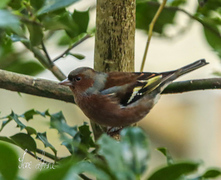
(127, 90)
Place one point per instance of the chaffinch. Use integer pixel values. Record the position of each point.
(119, 99)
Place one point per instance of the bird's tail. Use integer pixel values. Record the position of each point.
(170, 76)
(191, 67)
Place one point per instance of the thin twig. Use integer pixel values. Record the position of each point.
(151, 31)
(43, 153)
(26, 20)
(84, 177)
(48, 155)
(173, 8)
(38, 158)
(73, 46)
(45, 51)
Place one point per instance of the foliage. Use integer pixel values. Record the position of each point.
(124, 159)
(208, 14)
(33, 23)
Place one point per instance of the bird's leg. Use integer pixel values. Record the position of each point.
(112, 131)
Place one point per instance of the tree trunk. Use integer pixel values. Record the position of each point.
(114, 40)
(115, 32)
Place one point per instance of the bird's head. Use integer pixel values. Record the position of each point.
(84, 80)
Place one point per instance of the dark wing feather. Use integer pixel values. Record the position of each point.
(143, 87)
(127, 88)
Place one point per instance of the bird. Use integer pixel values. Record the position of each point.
(119, 99)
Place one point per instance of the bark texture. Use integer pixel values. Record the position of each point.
(115, 32)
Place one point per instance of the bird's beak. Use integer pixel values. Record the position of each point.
(65, 82)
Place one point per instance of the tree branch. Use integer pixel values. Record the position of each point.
(34, 86)
(73, 46)
(193, 85)
(44, 61)
(51, 89)
(45, 51)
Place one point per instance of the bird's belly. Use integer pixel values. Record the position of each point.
(112, 115)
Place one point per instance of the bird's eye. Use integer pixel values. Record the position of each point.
(77, 78)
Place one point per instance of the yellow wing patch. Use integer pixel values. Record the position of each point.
(154, 81)
(135, 91)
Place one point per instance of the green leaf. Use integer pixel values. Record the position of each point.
(176, 2)
(28, 68)
(209, 15)
(30, 113)
(212, 173)
(63, 172)
(165, 152)
(85, 135)
(30, 130)
(129, 156)
(3, 3)
(174, 171)
(6, 47)
(135, 149)
(213, 40)
(4, 123)
(89, 168)
(36, 34)
(142, 1)
(78, 56)
(24, 141)
(145, 13)
(111, 151)
(69, 145)
(81, 18)
(27, 115)
(70, 26)
(208, 7)
(6, 139)
(63, 21)
(52, 5)
(58, 122)
(81, 141)
(53, 21)
(37, 4)
(64, 40)
(9, 21)
(43, 138)
(16, 38)
(15, 118)
(15, 4)
(73, 24)
(9, 162)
